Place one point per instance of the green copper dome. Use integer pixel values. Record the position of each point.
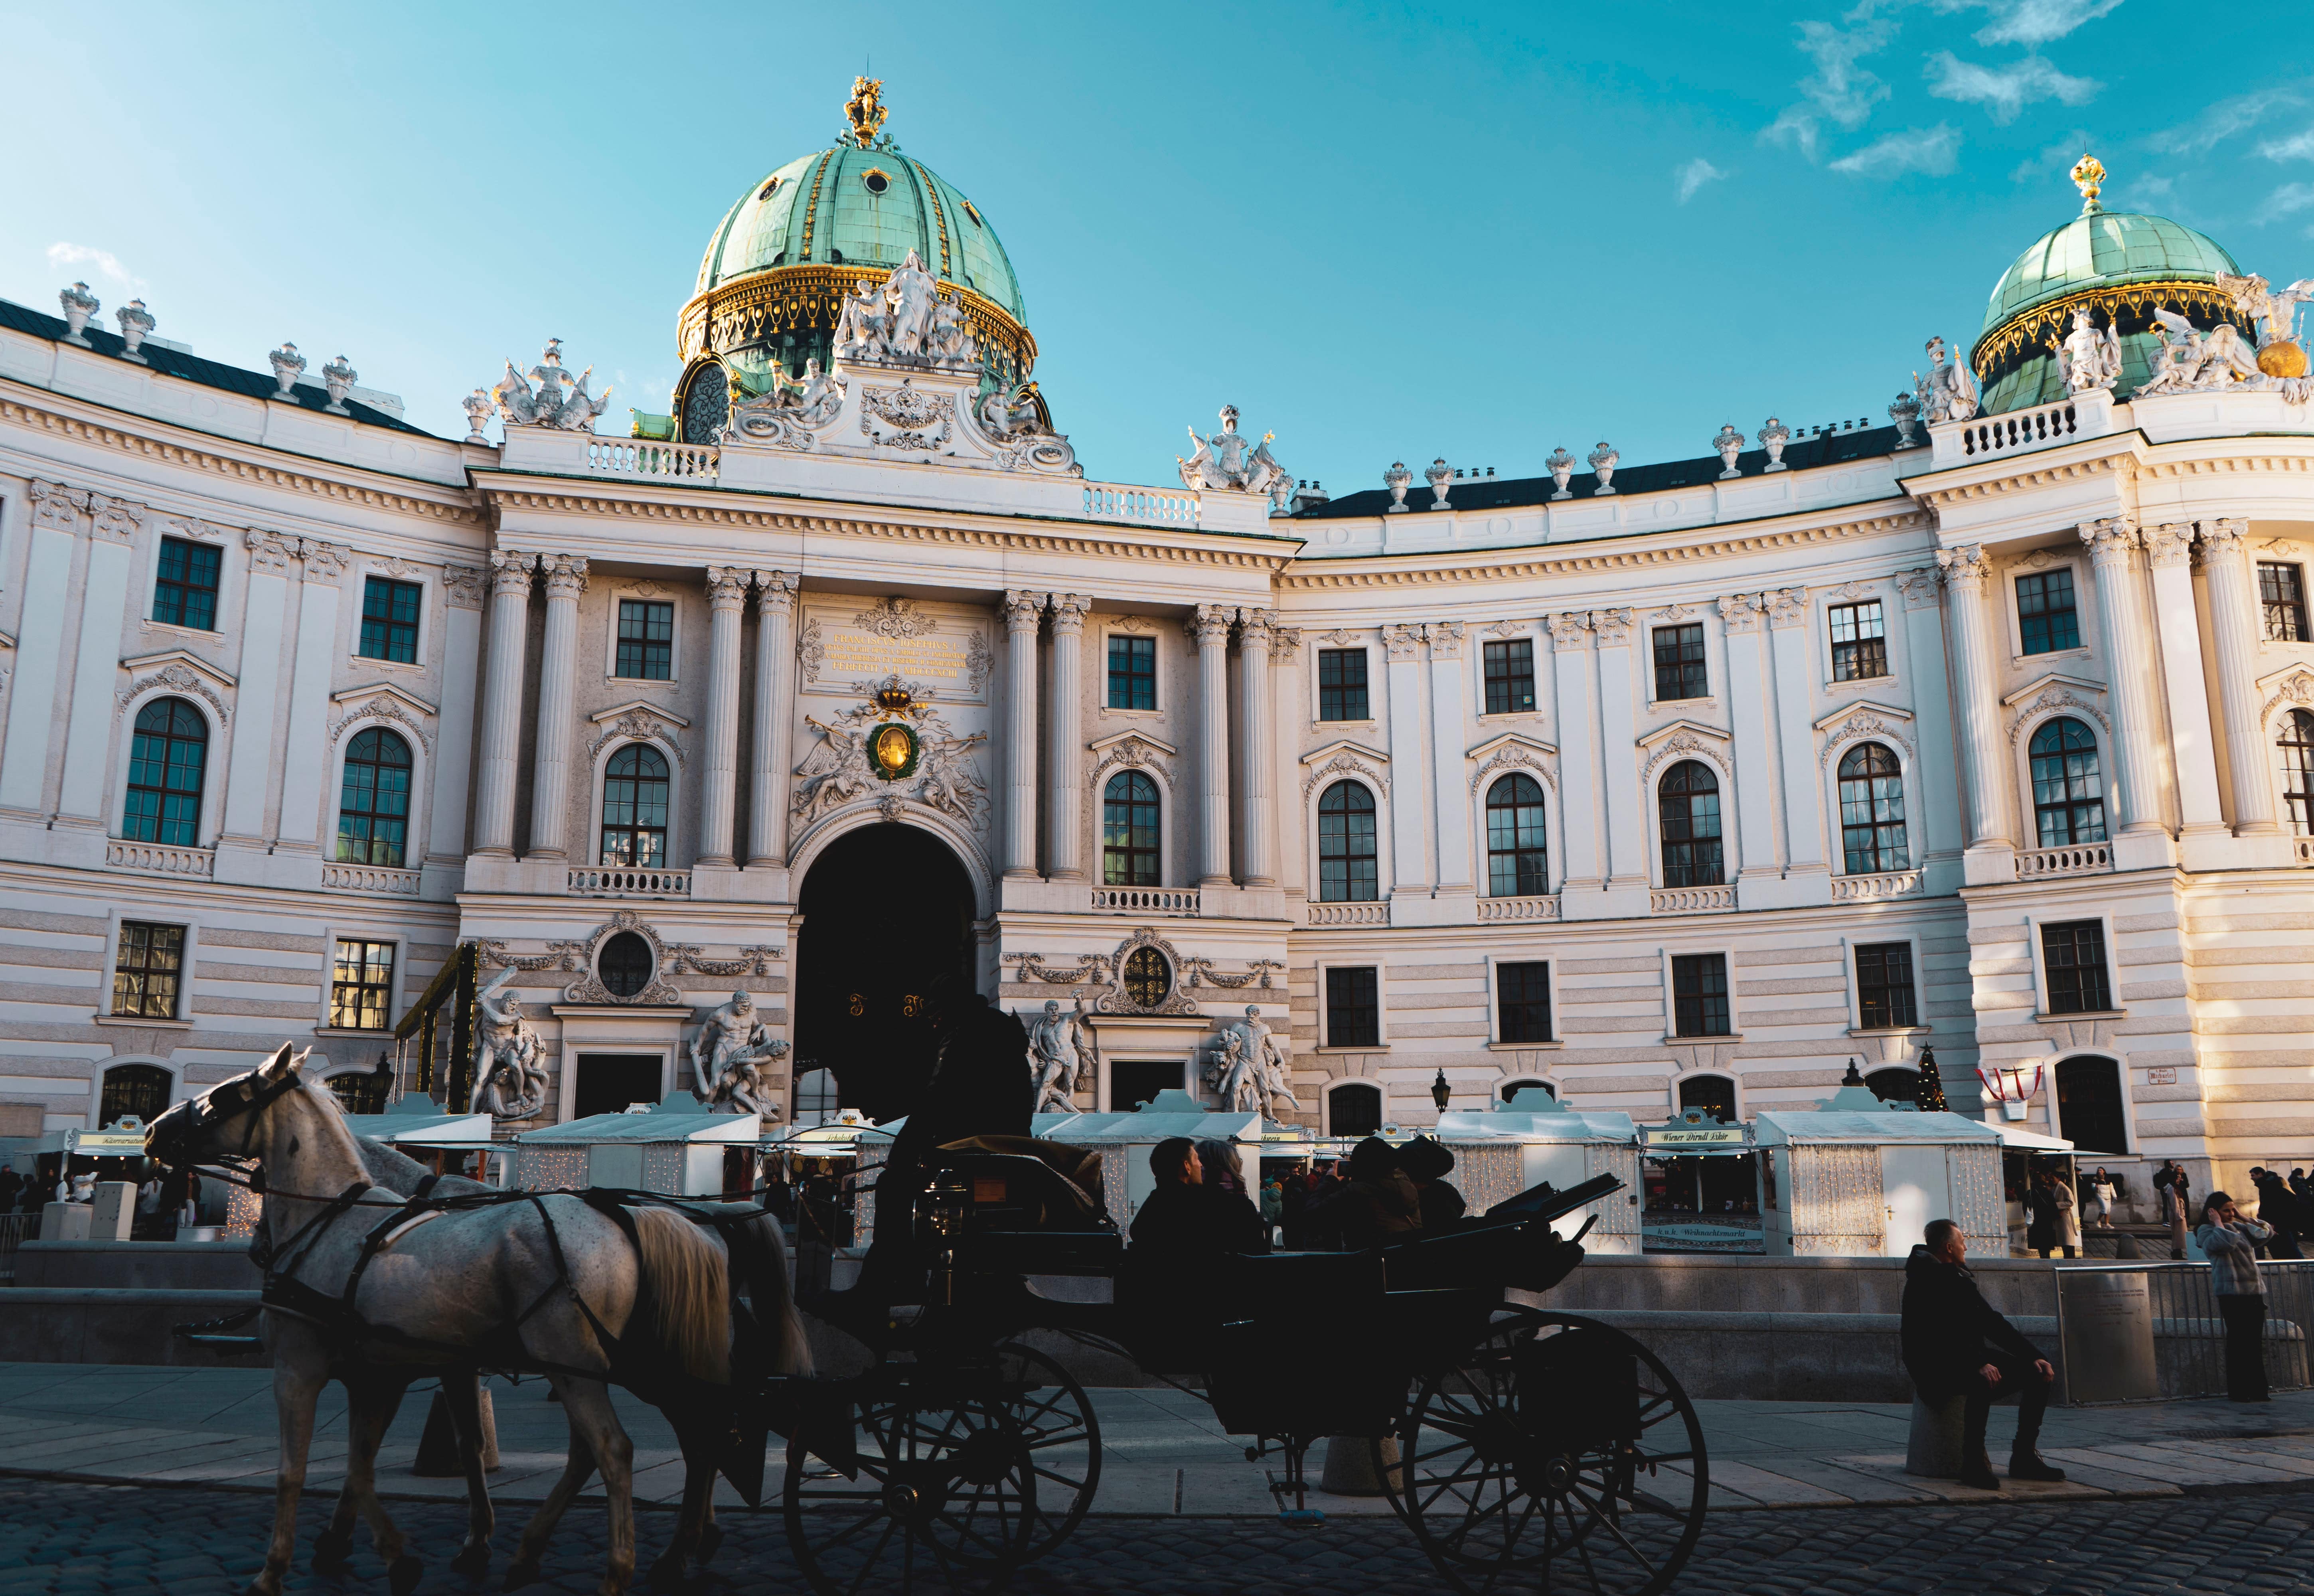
(851, 207)
(2104, 248)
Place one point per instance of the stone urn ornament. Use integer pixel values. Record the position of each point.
(1397, 479)
(1562, 466)
(1437, 477)
(1773, 436)
(480, 407)
(1730, 443)
(1906, 412)
(136, 321)
(1602, 461)
(288, 365)
(340, 376)
(79, 305)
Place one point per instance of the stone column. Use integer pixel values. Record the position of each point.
(1449, 735)
(462, 647)
(26, 754)
(83, 798)
(1410, 838)
(774, 721)
(502, 702)
(1627, 866)
(2233, 619)
(1751, 708)
(1257, 827)
(550, 783)
(2190, 745)
(1210, 626)
(1803, 792)
(719, 809)
(1924, 652)
(1022, 612)
(2112, 543)
(1982, 764)
(1064, 740)
(313, 672)
(1578, 764)
(1283, 755)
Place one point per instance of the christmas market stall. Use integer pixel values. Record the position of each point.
(1531, 1137)
(1860, 1177)
(677, 1146)
(446, 1144)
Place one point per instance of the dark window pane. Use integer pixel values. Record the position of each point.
(2072, 955)
(361, 986)
(1698, 991)
(1860, 642)
(1342, 685)
(2068, 791)
(168, 759)
(1523, 1001)
(646, 641)
(147, 970)
(1128, 831)
(1872, 811)
(1714, 1092)
(141, 1089)
(1516, 856)
(625, 965)
(185, 587)
(2045, 620)
(1132, 673)
(1353, 1008)
(1148, 978)
(1510, 677)
(389, 629)
(2282, 597)
(374, 800)
(1680, 670)
(1884, 985)
(1347, 867)
(2297, 745)
(1687, 808)
(1354, 1110)
(2089, 1111)
(635, 808)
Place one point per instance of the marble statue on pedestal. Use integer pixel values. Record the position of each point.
(509, 1058)
(559, 401)
(728, 1053)
(1947, 391)
(2190, 360)
(1061, 1060)
(2273, 312)
(791, 413)
(2088, 358)
(1250, 1072)
(1228, 462)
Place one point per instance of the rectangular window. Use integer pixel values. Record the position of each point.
(646, 641)
(1699, 995)
(1884, 986)
(185, 590)
(147, 969)
(1342, 685)
(1133, 672)
(390, 620)
(1679, 662)
(1510, 677)
(2045, 621)
(2073, 954)
(1523, 1001)
(1353, 1008)
(361, 989)
(1860, 642)
(2282, 595)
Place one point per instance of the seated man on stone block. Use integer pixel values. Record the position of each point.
(1956, 1345)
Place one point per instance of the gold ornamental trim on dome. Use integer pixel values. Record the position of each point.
(787, 298)
(2028, 332)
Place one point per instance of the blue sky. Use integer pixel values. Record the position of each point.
(1385, 232)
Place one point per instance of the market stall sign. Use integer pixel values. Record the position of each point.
(107, 1144)
(1674, 1139)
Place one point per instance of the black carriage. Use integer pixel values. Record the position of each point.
(1524, 1449)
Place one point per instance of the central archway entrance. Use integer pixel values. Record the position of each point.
(887, 911)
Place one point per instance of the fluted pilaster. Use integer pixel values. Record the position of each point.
(1210, 628)
(494, 792)
(549, 788)
(727, 598)
(1970, 628)
(771, 725)
(2113, 546)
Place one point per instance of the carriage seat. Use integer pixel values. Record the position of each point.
(1028, 1215)
(1064, 1190)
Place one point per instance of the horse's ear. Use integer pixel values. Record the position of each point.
(297, 1064)
(278, 1065)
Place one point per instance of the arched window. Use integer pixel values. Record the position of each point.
(1346, 845)
(1516, 854)
(2088, 1104)
(1688, 805)
(1894, 1085)
(166, 763)
(374, 802)
(1872, 811)
(1508, 1092)
(2297, 745)
(2068, 792)
(634, 807)
(141, 1089)
(1128, 831)
(1354, 1110)
(1714, 1092)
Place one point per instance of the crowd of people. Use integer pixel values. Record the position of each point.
(163, 1199)
(1377, 1195)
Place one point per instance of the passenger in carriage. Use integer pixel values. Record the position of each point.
(1428, 1164)
(1186, 1214)
(1380, 1205)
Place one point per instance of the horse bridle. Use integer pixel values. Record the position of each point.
(208, 1112)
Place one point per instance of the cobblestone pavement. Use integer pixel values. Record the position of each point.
(68, 1537)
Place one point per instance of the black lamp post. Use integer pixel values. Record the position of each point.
(1440, 1091)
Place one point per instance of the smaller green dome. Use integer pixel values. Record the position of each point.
(2102, 249)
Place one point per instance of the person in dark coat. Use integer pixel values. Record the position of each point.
(2278, 1210)
(1380, 1205)
(1428, 1164)
(1955, 1345)
(1188, 1216)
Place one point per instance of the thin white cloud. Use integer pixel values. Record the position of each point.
(67, 257)
(2291, 199)
(2221, 122)
(1694, 175)
(2298, 146)
(1838, 91)
(2031, 22)
(2005, 91)
(2059, 156)
(1931, 150)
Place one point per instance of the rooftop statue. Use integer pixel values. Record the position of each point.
(1227, 461)
(866, 110)
(2190, 360)
(2273, 312)
(1948, 392)
(902, 320)
(557, 401)
(790, 412)
(2088, 358)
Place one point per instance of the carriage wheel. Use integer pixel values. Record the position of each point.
(1056, 1422)
(1557, 1452)
(946, 1494)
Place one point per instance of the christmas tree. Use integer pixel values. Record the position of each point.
(1932, 1088)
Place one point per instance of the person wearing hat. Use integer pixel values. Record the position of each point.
(1380, 1205)
(1426, 1163)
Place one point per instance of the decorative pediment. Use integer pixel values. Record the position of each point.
(410, 700)
(1514, 751)
(2293, 685)
(2054, 679)
(1344, 745)
(1343, 757)
(180, 671)
(1510, 739)
(1863, 706)
(1130, 750)
(1861, 720)
(2049, 700)
(382, 701)
(1693, 727)
(1681, 739)
(637, 719)
(635, 705)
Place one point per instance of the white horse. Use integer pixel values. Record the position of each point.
(550, 1283)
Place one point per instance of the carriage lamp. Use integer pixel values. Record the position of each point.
(1440, 1091)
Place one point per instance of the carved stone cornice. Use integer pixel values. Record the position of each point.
(2029, 479)
(1966, 568)
(1023, 612)
(511, 571)
(2171, 543)
(462, 586)
(1445, 639)
(1742, 613)
(324, 561)
(1788, 608)
(1402, 641)
(269, 553)
(566, 573)
(1613, 626)
(726, 587)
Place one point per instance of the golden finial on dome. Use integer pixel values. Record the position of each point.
(866, 109)
(2088, 176)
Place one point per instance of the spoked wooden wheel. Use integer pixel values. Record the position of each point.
(1057, 1425)
(945, 1498)
(1559, 1454)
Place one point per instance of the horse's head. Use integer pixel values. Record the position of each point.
(222, 1122)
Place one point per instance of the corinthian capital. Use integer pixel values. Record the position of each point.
(1253, 628)
(1445, 639)
(1966, 568)
(1069, 610)
(1024, 610)
(2172, 542)
(511, 571)
(774, 594)
(1210, 626)
(726, 587)
(1570, 630)
(1740, 612)
(1284, 644)
(2223, 540)
(1402, 641)
(1789, 607)
(271, 552)
(2110, 540)
(566, 573)
(1613, 626)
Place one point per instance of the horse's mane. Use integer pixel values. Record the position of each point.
(398, 1172)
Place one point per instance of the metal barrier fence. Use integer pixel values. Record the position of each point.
(14, 1228)
(2188, 1333)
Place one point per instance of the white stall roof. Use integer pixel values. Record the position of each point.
(2018, 1136)
(1805, 1126)
(421, 1121)
(1522, 1124)
(681, 1118)
(1171, 1113)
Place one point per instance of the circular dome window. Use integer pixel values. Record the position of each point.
(768, 190)
(876, 179)
(625, 965)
